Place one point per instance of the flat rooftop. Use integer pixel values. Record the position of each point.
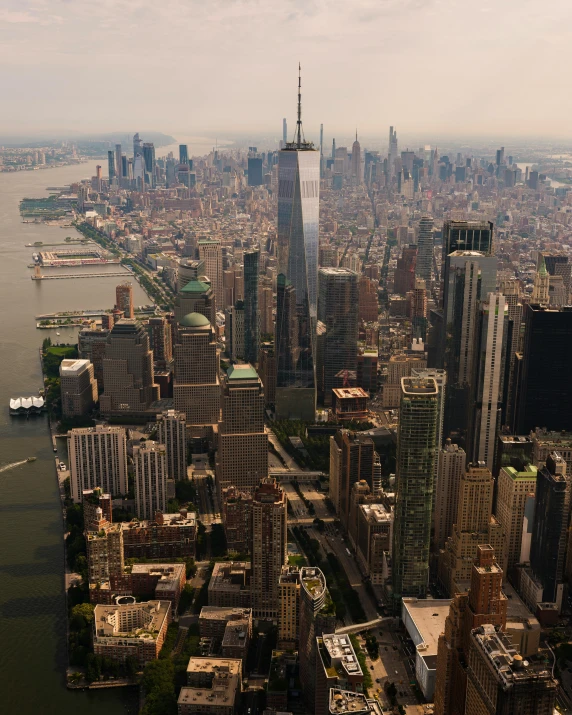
(346, 393)
(376, 513)
(341, 653)
(221, 613)
(428, 618)
(71, 368)
(419, 386)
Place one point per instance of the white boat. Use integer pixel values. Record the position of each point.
(57, 333)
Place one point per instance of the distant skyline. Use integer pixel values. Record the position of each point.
(429, 67)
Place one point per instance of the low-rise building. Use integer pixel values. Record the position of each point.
(347, 702)
(131, 630)
(230, 585)
(213, 687)
(350, 403)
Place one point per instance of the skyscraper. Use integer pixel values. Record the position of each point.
(352, 459)
(171, 431)
(124, 299)
(451, 468)
(161, 341)
(467, 236)
(284, 132)
(242, 457)
(97, 458)
(128, 376)
(118, 162)
(269, 537)
(298, 229)
(150, 479)
(415, 468)
(196, 386)
(196, 296)
(149, 162)
(338, 311)
(544, 394)
(78, 387)
(355, 166)
(424, 265)
(255, 173)
(110, 165)
(211, 253)
(251, 313)
(393, 150)
(183, 154)
(485, 415)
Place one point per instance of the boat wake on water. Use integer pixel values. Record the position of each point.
(14, 464)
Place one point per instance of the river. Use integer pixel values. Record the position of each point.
(32, 604)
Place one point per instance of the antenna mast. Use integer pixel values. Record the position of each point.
(299, 122)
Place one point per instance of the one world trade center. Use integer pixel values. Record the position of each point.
(297, 293)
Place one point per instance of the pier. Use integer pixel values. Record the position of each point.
(41, 277)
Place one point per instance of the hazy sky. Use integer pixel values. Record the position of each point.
(191, 66)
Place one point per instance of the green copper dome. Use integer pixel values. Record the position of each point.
(194, 320)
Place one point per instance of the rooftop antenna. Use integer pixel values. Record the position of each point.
(299, 122)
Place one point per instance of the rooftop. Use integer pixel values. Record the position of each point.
(70, 368)
(194, 320)
(419, 386)
(376, 513)
(346, 701)
(345, 393)
(242, 372)
(195, 287)
(142, 621)
(225, 675)
(427, 616)
(341, 655)
(529, 472)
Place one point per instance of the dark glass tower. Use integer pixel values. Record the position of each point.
(183, 154)
(298, 229)
(544, 394)
(110, 164)
(467, 236)
(255, 174)
(251, 317)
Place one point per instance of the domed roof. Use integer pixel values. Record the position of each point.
(194, 320)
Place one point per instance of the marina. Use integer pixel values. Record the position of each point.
(68, 276)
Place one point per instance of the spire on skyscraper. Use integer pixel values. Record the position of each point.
(299, 139)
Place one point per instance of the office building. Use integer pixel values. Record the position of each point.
(368, 304)
(351, 460)
(467, 236)
(189, 269)
(473, 525)
(424, 264)
(317, 616)
(196, 386)
(373, 539)
(151, 479)
(514, 505)
(118, 163)
(161, 341)
(483, 603)
(267, 372)
(544, 394)
(124, 300)
(405, 271)
(550, 531)
(213, 687)
(338, 311)
(498, 676)
(242, 457)
(128, 377)
(356, 164)
(517, 451)
(183, 154)
(97, 458)
(251, 311)
(234, 331)
(400, 365)
(211, 253)
(490, 364)
(451, 462)
(91, 346)
(236, 513)
(171, 431)
(78, 387)
(415, 469)
(298, 229)
(255, 172)
(230, 585)
(269, 538)
(196, 296)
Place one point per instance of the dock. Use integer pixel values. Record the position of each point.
(122, 274)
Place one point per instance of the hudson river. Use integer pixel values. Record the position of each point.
(32, 604)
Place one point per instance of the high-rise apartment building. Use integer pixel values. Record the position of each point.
(483, 603)
(97, 458)
(211, 253)
(415, 470)
(289, 613)
(150, 479)
(317, 616)
(91, 346)
(128, 377)
(78, 387)
(473, 525)
(171, 431)
(515, 492)
(352, 459)
(467, 236)
(338, 311)
(489, 376)
(425, 243)
(124, 299)
(251, 312)
(236, 512)
(501, 681)
(404, 276)
(196, 386)
(451, 462)
(298, 234)
(242, 457)
(269, 539)
(543, 397)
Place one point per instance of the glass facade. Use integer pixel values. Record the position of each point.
(251, 319)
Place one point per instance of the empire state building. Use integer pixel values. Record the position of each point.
(298, 229)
